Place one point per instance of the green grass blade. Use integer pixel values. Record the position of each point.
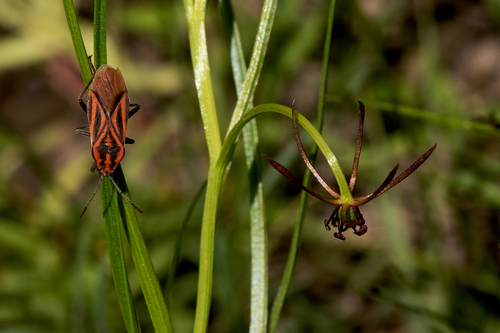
(258, 239)
(297, 232)
(199, 56)
(201, 66)
(436, 118)
(100, 50)
(76, 37)
(259, 281)
(214, 185)
(232, 33)
(109, 199)
(111, 214)
(145, 271)
(257, 60)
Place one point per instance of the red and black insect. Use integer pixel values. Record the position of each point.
(108, 110)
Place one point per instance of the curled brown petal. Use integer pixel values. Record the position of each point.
(359, 144)
(409, 171)
(306, 159)
(288, 175)
(362, 200)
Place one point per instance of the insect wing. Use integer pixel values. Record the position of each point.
(118, 119)
(97, 118)
(113, 147)
(109, 85)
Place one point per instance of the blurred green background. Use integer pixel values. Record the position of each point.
(430, 260)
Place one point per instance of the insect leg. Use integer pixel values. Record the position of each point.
(84, 130)
(123, 195)
(80, 98)
(135, 107)
(92, 67)
(92, 197)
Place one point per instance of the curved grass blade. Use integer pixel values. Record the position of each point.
(215, 183)
(231, 138)
(246, 82)
(292, 255)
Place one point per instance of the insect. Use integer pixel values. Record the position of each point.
(108, 110)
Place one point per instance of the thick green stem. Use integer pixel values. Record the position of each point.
(199, 56)
(203, 81)
(205, 274)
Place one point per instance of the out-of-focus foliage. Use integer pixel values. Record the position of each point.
(430, 261)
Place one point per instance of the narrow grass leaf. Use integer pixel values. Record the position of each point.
(145, 271)
(243, 80)
(76, 37)
(100, 50)
(111, 214)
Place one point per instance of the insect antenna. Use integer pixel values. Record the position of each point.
(123, 195)
(92, 197)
